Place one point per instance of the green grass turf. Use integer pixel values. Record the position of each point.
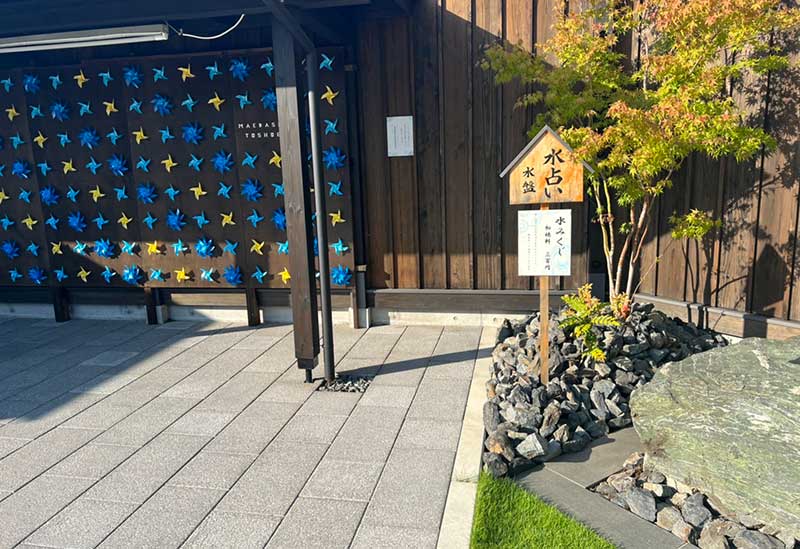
(506, 516)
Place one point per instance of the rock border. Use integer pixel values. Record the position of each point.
(690, 515)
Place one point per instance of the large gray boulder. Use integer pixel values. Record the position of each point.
(727, 422)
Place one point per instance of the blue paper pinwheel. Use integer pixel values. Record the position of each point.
(132, 76)
(222, 161)
(146, 193)
(162, 104)
(149, 220)
(259, 274)
(25, 195)
(192, 133)
(201, 220)
(135, 106)
(254, 218)
(36, 112)
(17, 141)
(60, 274)
(30, 83)
(114, 136)
(230, 247)
(128, 247)
(76, 222)
(179, 248)
(21, 169)
(176, 220)
(189, 103)
(85, 109)
(132, 274)
(331, 126)
(33, 249)
(335, 188)
(106, 77)
(14, 275)
(326, 63)
(240, 69)
(59, 110)
(37, 275)
(283, 248)
(7, 84)
(10, 248)
(252, 190)
(279, 219)
(52, 222)
(244, 100)
(333, 158)
(207, 274)
(219, 132)
(159, 74)
(100, 221)
(232, 275)
(79, 247)
(213, 70)
(89, 138)
(268, 67)
(341, 275)
(117, 164)
(249, 160)
(195, 162)
(6, 222)
(143, 164)
(93, 165)
(339, 247)
(269, 100)
(121, 192)
(107, 274)
(224, 190)
(172, 192)
(156, 274)
(55, 81)
(49, 195)
(104, 248)
(205, 247)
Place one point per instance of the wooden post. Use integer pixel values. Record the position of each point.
(60, 303)
(251, 301)
(151, 302)
(297, 201)
(544, 323)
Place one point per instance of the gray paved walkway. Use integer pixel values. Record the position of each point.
(116, 434)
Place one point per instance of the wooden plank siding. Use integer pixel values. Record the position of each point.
(450, 202)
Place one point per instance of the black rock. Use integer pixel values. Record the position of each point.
(491, 416)
(494, 464)
(694, 511)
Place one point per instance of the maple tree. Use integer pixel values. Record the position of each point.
(635, 122)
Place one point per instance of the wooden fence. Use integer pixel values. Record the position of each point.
(441, 219)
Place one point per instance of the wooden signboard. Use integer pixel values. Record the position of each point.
(545, 171)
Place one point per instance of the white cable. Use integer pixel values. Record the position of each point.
(220, 35)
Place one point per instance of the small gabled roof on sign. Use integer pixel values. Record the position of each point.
(532, 143)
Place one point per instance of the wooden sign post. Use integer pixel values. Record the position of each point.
(544, 172)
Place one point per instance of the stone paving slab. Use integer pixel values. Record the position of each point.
(201, 434)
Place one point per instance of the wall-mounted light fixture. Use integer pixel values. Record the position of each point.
(84, 38)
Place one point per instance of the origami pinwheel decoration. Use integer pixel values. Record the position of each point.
(7, 84)
(207, 274)
(213, 71)
(335, 188)
(37, 275)
(224, 190)
(179, 248)
(85, 109)
(259, 275)
(326, 63)
(49, 196)
(181, 275)
(219, 132)
(156, 274)
(232, 275)
(240, 69)
(89, 138)
(285, 275)
(205, 247)
(249, 160)
(176, 220)
(315, 246)
(329, 95)
(333, 158)
(132, 274)
(230, 247)
(121, 192)
(6, 222)
(21, 169)
(93, 165)
(143, 164)
(60, 274)
(195, 162)
(201, 220)
(268, 67)
(149, 220)
(341, 275)
(283, 248)
(108, 274)
(51, 222)
(17, 141)
(172, 192)
(244, 100)
(114, 136)
(100, 221)
(198, 191)
(14, 275)
(10, 248)
(162, 104)
(25, 195)
(278, 190)
(128, 247)
(30, 83)
(269, 100)
(135, 106)
(131, 76)
(146, 193)
(72, 194)
(106, 77)
(279, 219)
(77, 222)
(40, 140)
(252, 190)
(159, 74)
(258, 247)
(189, 103)
(36, 112)
(104, 248)
(63, 139)
(55, 81)
(192, 133)
(339, 247)
(222, 161)
(79, 247)
(59, 111)
(117, 164)
(254, 218)
(331, 126)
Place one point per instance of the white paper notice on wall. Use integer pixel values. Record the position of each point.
(400, 135)
(545, 242)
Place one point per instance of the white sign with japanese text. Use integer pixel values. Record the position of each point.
(545, 242)
(400, 135)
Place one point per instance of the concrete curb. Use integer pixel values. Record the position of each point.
(459, 509)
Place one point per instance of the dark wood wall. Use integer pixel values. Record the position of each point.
(441, 218)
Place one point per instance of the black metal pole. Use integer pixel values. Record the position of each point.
(312, 69)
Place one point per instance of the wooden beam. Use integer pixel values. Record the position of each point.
(283, 16)
(297, 199)
(151, 303)
(253, 311)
